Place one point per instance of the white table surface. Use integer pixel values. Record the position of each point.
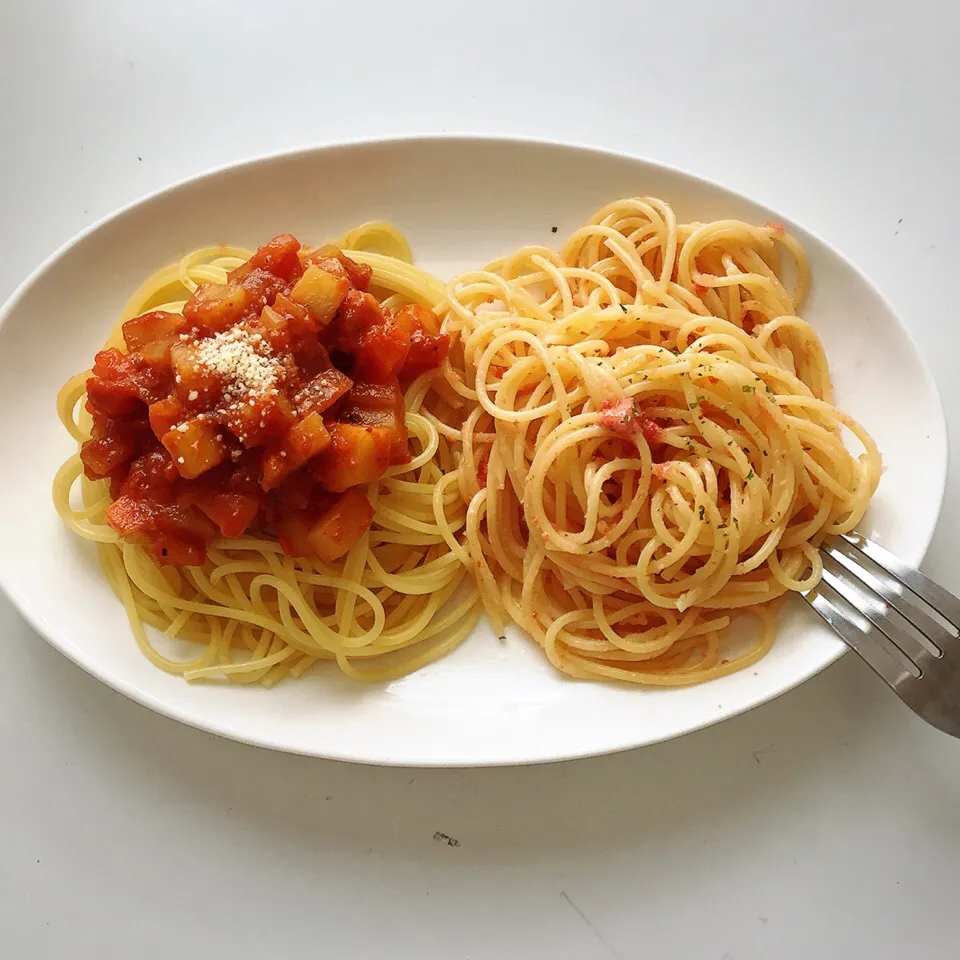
(826, 824)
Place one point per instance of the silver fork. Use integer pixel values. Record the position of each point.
(902, 623)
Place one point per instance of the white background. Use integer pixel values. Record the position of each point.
(826, 824)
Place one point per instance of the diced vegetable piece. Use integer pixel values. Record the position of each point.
(293, 531)
(102, 455)
(298, 319)
(333, 260)
(130, 516)
(289, 325)
(426, 352)
(381, 352)
(110, 364)
(379, 405)
(156, 354)
(322, 392)
(300, 491)
(148, 327)
(304, 440)
(197, 385)
(376, 396)
(276, 468)
(414, 315)
(355, 455)
(357, 312)
(308, 438)
(151, 476)
(117, 477)
(148, 381)
(320, 292)
(113, 400)
(268, 418)
(196, 446)
(176, 536)
(273, 327)
(216, 306)
(279, 256)
(428, 347)
(231, 512)
(312, 360)
(165, 415)
(341, 526)
(263, 288)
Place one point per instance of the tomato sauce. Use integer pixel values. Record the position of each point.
(264, 407)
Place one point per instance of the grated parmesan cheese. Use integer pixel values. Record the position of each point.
(244, 363)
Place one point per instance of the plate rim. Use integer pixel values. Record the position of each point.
(61, 643)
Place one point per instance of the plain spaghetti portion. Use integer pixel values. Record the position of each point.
(303, 455)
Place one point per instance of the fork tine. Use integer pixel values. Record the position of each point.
(887, 619)
(862, 637)
(932, 593)
(898, 597)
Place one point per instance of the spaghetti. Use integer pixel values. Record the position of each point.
(648, 441)
(396, 601)
(631, 442)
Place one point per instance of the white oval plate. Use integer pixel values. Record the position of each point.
(461, 201)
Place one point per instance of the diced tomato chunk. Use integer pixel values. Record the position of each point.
(102, 455)
(216, 306)
(114, 400)
(129, 516)
(321, 293)
(151, 476)
(334, 261)
(279, 256)
(379, 405)
(298, 325)
(426, 352)
(231, 512)
(156, 355)
(341, 526)
(355, 455)
(376, 396)
(114, 443)
(273, 328)
(110, 364)
(358, 312)
(175, 535)
(263, 418)
(413, 316)
(152, 326)
(197, 386)
(307, 438)
(304, 440)
(322, 392)
(165, 415)
(298, 492)
(196, 446)
(381, 352)
(293, 531)
(149, 381)
(263, 288)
